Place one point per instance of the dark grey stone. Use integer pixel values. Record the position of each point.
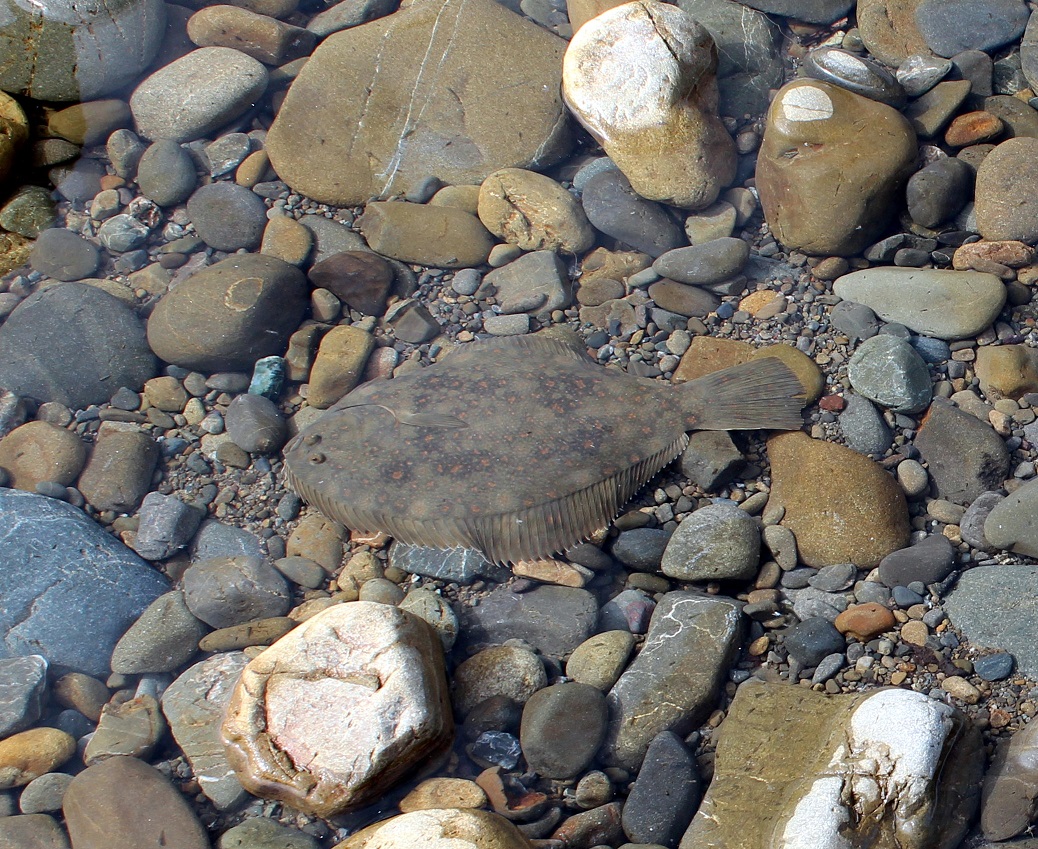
(977, 67)
(64, 255)
(952, 26)
(704, 264)
(615, 209)
(997, 608)
(263, 833)
(77, 181)
(994, 667)
(971, 526)
(70, 590)
(167, 525)
(855, 320)
(630, 610)
(711, 459)
(229, 591)
(665, 795)
(228, 216)
(939, 191)
(928, 562)
(554, 620)
(166, 173)
(255, 424)
(834, 578)
(73, 344)
(122, 233)
(813, 639)
(863, 427)
(347, 14)
(1019, 118)
(458, 565)
(641, 548)
(23, 686)
(918, 74)
(125, 150)
(215, 539)
(855, 73)
(811, 11)
(163, 639)
(227, 152)
(562, 728)
(964, 455)
(412, 322)
(32, 831)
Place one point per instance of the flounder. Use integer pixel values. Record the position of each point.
(520, 446)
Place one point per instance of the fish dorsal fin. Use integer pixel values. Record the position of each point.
(561, 343)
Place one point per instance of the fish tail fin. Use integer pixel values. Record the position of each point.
(762, 393)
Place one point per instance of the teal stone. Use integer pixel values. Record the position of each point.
(268, 377)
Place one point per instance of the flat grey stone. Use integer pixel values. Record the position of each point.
(863, 426)
(711, 459)
(614, 208)
(227, 216)
(666, 793)
(953, 26)
(70, 590)
(997, 608)
(228, 591)
(23, 686)
(459, 565)
(32, 831)
(705, 264)
(166, 173)
(215, 539)
(256, 424)
(166, 526)
(1012, 524)
(43, 795)
(194, 706)
(855, 73)
(716, 542)
(163, 639)
(64, 255)
(562, 728)
(535, 282)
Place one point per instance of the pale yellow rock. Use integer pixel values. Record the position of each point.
(40, 451)
(287, 239)
(30, 754)
(600, 659)
(498, 671)
(961, 689)
(340, 361)
(641, 78)
(439, 829)
(444, 793)
(553, 572)
(1007, 371)
(318, 539)
(465, 198)
(14, 133)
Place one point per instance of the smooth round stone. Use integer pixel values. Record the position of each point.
(263, 833)
(227, 216)
(532, 211)
(166, 173)
(228, 591)
(44, 794)
(227, 316)
(444, 793)
(90, 123)
(70, 51)
(614, 208)
(119, 472)
(810, 641)
(865, 621)
(862, 76)
(32, 831)
(641, 79)
(953, 26)
(255, 424)
(339, 364)
(939, 191)
(706, 264)
(890, 372)
(859, 517)
(665, 795)
(29, 754)
(928, 562)
(262, 37)
(1007, 192)
(125, 802)
(913, 478)
(933, 302)
(163, 639)
(39, 451)
(446, 828)
(812, 144)
(863, 426)
(600, 659)
(888, 30)
(994, 667)
(683, 299)
(224, 83)
(122, 233)
(499, 671)
(716, 542)
(440, 236)
(435, 610)
(28, 212)
(64, 255)
(74, 344)
(562, 728)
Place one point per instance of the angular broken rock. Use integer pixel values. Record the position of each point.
(674, 681)
(798, 769)
(642, 79)
(336, 711)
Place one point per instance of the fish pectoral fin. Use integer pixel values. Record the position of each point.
(442, 420)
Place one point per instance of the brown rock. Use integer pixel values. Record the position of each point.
(443, 793)
(707, 354)
(582, 11)
(262, 37)
(532, 211)
(32, 831)
(615, 265)
(1006, 194)
(40, 451)
(286, 239)
(368, 116)
(683, 299)
(1012, 254)
(465, 198)
(339, 364)
(14, 133)
(318, 539)
(80, 692)
(856, 513)
(832, 167)
(806, 370)
(90, 123)
(865, 621)
(1007, 371)
(360, 279)
(1011, 786)
(118, 474)
(641, 78)
(428, 235)
(972, 128)
(131, 728)
(30, 754)
(165, 393)
(126, 802)
(889, 30)
(333, 714)
(439, 829)
(510, 671)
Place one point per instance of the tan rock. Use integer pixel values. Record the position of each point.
(641, 78)
(614, 265)
(887, 768)
(1006, 192)
(856, 513)
(429, 235)
(1011, 786)
(832, 167)
(166, 393)
(333, 714)
(465, 198)
(131, 728)
(1006, 371)
(534, 212)
(889, 30)
(717, 221)
(260, 36)
(40, 451)
(600, 659)
(439, 829)
(1012, 254)
(30, 754)
(444, 793)
(707, 354)
(340, 362)
(498, 671)
(865, 621)
(553, 572)
(286, 239)
(318, 539)
(118, 474)
(448, 88)
(14, 133)
(582, 11)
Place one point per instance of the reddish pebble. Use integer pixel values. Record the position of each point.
(865, 621)
(832, 403)
(973, 127)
